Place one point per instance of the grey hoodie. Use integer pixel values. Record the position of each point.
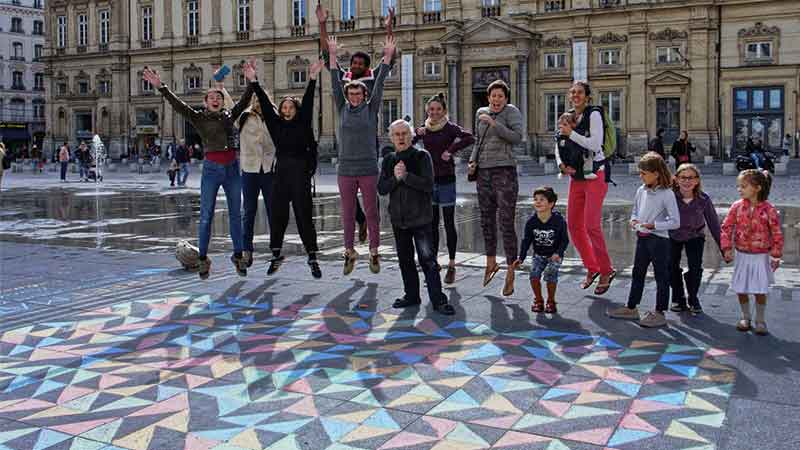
(356, 131)
(498, 144)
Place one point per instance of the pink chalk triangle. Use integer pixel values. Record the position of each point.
(556, 408)
(108, 380)
(194, 442)
(440, 426)
(71, 393)
(194, 381)
(549, 378)
(634, 422)
(598, 436)
(616, 375)
(304, 407)
(540, 365)
(170, 405)
(516, 438)
(645, 406)
(664, 378)
(406, 439)
(28, 405)
(719, 352)
(346, 338)
(585, 386)
(81, 427)
(300, 385)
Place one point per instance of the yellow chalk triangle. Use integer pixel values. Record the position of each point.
(594, 397)
(499, 403)
(679, 430)
(452, 382)
(177, 422)
(366, 432)
(139, 440)
(640, 344)
(247, 439)
(355, 417)
(695, 402)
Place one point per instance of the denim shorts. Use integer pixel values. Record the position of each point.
(444, 194)
(543, 267)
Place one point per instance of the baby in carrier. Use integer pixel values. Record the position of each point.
(572, 154)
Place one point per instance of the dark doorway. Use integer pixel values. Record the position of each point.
(481, 79)
(668, 117)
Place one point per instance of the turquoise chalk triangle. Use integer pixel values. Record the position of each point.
(624, 436)
(382, 419)
(687, 371)
(629, 389)
(336, 429)
(674, 398)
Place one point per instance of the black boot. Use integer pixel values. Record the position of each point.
(405, 302)
(316, 272)
(274, 264)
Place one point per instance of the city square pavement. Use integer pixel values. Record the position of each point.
(105, 348)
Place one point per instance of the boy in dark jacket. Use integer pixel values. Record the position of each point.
(547, 231)
(407, 177)
(572, 154)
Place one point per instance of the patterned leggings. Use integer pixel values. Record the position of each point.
(497, 195)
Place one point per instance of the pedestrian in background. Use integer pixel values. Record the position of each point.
(182, 157)
(3, 162)
(657, 144)
(63, 160)
(84, 160)
(682, 149)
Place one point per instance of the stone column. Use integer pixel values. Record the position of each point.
(452, 89)
(269, 13)
(216, 13)
(168, 34)
(407, 12)
(637, 95)
(522, 89)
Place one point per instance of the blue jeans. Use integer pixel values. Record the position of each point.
(183, 174)
(253, 184)
(214, 176)
(84, 170)
(543, 267)
(64, 165)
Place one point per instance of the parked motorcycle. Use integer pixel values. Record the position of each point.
(744, 162)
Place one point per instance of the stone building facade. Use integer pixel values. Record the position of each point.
(22, 81)
(721, 69)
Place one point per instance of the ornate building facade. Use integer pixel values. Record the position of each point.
(724, 70)
(22, 81)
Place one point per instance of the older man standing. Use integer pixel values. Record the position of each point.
(407, 178)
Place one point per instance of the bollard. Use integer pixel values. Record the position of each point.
(549, 168)
(781, 168)
(542, 160)
(729, 169)
(633, 169)
(708, 159)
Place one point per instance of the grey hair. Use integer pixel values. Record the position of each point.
(401, 122)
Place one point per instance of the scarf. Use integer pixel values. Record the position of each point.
(348, 76)
(436, 126)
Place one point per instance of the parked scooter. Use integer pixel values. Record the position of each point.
(766, 161)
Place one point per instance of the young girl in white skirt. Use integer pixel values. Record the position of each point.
(753, 228)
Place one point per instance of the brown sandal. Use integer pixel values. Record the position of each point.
(550, 308)
(538, 306)
(490, 273)
(602, 288)
(508, 287)
(590, 279)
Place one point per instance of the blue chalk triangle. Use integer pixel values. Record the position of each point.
(688, 371)
(674, 357)
(629, 389)
(624, 436)
(607, 343)
(382, 419)
(673, 398)
(463, 398)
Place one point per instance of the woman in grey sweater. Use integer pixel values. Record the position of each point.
(356, 142)
(498, 127)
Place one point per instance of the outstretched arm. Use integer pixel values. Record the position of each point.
(322, 18)
(152, 77)
(376, 97)
(307, 106)
(336, 74)
(244, 102)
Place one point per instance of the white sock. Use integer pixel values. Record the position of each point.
(745, 310)
(760, 312)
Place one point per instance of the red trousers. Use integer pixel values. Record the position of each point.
(584, 214)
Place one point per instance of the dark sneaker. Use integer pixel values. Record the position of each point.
(362, 232)
(678, 307)
(405, 302)
(248, 258)
(450, 276)
(375, 263)
(444, 308)
(204, 268)
(696, 310)
(240, 265)
(316, 272)
(349, 262)
(274, 264)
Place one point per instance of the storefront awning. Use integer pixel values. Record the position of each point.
(14, 134)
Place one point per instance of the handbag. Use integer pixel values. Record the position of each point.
(472, 172)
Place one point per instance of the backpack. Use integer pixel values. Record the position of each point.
(609, 140)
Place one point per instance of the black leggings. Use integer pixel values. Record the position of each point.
(449, 213)
(292, 184)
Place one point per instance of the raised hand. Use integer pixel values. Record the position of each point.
(151, 76)
(332, 47)
(322, 14)
(389, 47)
(249, 70)
(389, 22)
(315, 69)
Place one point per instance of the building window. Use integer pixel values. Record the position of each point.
(758, 113)
(62, 88)
(17, 109)
(193, 82)
(610, 57)
(147, 88)
(147, 23)
(38, 4)
(16, 81)
(62, 31)
(104, 86)
(433, 5)
(242, 81)
(38, 109)
(759, 50)
(38, 27)
(244, 16)
(555, 61)
(83, 87)
(16, 25)
(83, 27)
(556, 106)
(668, 55)
(385, 5)
(17, 52)
(433, 69)
(298, 77)
(192, 18)
(348, 9)
(105, 26)
(611, 103)
(554, 5)
(390, 113)
(298, 13)
(38, 81)
(37, 52)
